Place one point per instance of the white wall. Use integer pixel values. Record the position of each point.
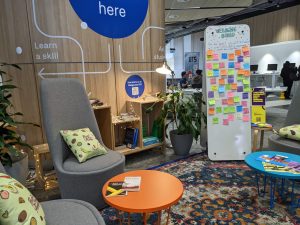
(276, 53)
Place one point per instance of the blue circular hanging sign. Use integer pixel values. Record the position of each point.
(135, 86)
(112, 18)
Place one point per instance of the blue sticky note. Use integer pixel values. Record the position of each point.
(231, 65)
(221, 89)
(239, 108)
(240, 58)
(224, 55)
(216, 73)
(230, 79)
(246, 66)
(245, 96)
(211, 94)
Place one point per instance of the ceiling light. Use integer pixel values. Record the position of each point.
(164, 69)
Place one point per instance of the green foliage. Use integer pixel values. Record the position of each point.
(185, 112)
(9, 138)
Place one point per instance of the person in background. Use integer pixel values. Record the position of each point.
(287, 82)
(197, 80)
(184, 81)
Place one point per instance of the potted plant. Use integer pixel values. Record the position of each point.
(186, 115)
(14, 160)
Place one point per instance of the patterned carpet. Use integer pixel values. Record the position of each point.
(217, 193)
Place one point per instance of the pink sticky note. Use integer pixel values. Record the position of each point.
(245, 118)
(225, 122)
(216, 57)
(245, 110)
(209, 66)
(244, 103)
(224, 102)
(230, 117)
(213, 81)
(221, 65)
(237, 65)
(230, 94)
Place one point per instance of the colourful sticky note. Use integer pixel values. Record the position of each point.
(230, 117)
(230, 64)
(231, 109)
(245, 49)
(209, 58)
(246, 66)
(211, 111)
(222, 81)
(225, 122)
(247, 88)
(215, 120)
(236, 99)
(224, 55)
(230, 79)
(226, 110)
(216, 57)
(224, 101)
(228, 87)
(238, 52)
(223, 72)
(209, 73)
(230, 101)
(213, 80)
(211, 94)
(240, 78)
(221, 65)
(246, 81)
(246, 53)
(210, 52)
(208, 66)
(244, 103)
(214, 88)
(237, 65)
(219, 109)
(231, 72)
(240, 58)
(240, 89)
(245, 110)
(215, 66)
(231, 57)
(247, 73)
(239, 108)
(241, 72)
(230, 94)
(246, 118)
(239, 116)
(234, 86)
(246, 59)
(221, 89)
(216, 73)
(245, 95)
(212, 102)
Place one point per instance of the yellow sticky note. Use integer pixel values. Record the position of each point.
(238, 52)
(212, 102)
(246, 81)
(214, 87)
(216, 66)
(236, 99)
(210, 52)
(223, 72)
(234, 86)
(231, 57)
(209, 73)
(222, 81)
(209, 58)
(231, 72)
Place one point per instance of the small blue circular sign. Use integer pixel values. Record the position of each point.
(135, 86)
(112, 18)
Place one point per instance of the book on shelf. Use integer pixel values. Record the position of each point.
(150, 140)
(115, 189)
(132, 183)
(131, 137)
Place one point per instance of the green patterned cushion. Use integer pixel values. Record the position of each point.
(83, 143)
(17, 205)
(291, 132)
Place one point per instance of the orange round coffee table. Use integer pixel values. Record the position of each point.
(158, 191)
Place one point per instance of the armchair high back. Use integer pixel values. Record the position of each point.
(65, 106)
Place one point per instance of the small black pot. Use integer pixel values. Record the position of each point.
(181, 143)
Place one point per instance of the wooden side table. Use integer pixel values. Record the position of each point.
(46, 181)
(256, 131)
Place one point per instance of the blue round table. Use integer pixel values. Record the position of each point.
(255, 164)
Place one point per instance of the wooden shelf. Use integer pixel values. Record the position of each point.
(128, 151)
(105, 106)
(116, 121)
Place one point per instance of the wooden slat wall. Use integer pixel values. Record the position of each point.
(56, 17)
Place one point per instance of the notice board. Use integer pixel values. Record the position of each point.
(227, 70)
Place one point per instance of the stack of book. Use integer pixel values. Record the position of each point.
(131, 137)
(279, 163)
(150, 140)
(121, 188)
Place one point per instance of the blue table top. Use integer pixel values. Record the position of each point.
(252, 162)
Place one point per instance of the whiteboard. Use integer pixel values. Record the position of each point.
(227, 76)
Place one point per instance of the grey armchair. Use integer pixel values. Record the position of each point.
(65, 105)
(69, 211)
(277, 143)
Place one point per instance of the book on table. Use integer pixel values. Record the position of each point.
(132, 183)
(115, 189)
(279, 163)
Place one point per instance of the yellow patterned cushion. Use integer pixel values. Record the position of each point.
(291, 132)
(17, 205)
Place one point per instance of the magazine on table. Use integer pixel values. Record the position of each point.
(132, 183)
(283, 163)
(115, 189)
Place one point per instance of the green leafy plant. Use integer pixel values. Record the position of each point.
(9, 138)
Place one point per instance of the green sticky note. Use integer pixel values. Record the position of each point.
(247, 88)
(212, 102)
(231, 109)
(236, 99)
(226, 110)
(216, 66)
(209, 73)
(246, 81)
(219, 109)
(240, 78)
(231, 72)
(215, 120)
(228, 87)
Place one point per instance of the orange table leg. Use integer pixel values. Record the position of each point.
(168, 217)
(129, 220)
(145, 218)
(119, 217)
(159, 218)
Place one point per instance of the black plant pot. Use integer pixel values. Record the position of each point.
(181, 143)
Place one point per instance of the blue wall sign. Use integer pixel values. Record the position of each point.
(135, 86)
(112, 18)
